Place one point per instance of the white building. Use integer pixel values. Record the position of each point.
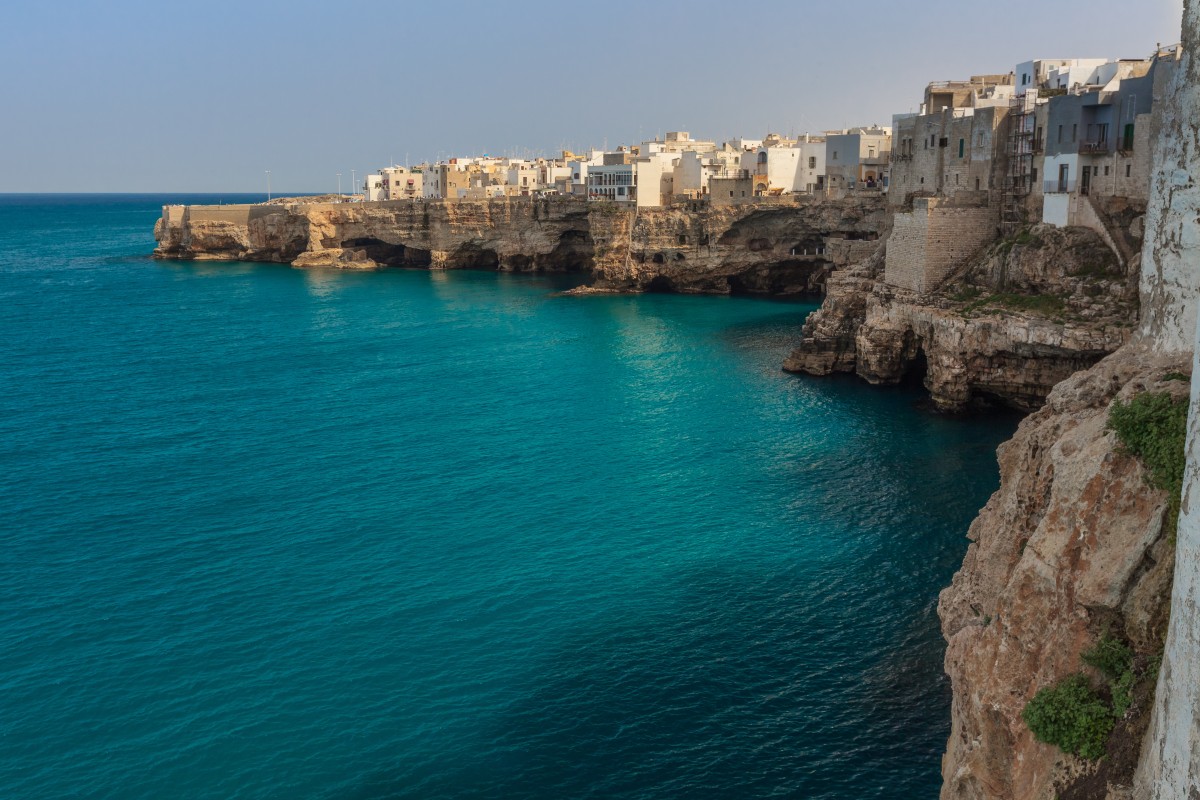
(786, 166)
(614, 182)
(1063, 73)
(373, 188)
(857, 158)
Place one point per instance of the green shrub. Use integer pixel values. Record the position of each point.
(1178, 376)
(1071, 716)
(1122, 693)
(1110, 656)
(1153, 427)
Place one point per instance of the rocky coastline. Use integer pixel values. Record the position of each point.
(767, 248)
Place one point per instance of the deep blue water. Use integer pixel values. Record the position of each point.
(279, 533)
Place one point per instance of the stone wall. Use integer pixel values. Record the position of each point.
(928, 242)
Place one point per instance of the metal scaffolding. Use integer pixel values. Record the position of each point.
(1022, 145)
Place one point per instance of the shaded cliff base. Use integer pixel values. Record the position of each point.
(1025, 314)
(1071, 548)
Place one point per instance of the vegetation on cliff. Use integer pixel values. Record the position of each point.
(1153, 427)
(1072, 716)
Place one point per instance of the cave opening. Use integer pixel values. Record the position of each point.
(660, 285)
(916, 371)
(473, 256)
(574, 252)
(388, 254)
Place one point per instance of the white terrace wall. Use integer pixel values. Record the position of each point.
(1170, 764)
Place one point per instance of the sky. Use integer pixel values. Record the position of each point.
(128, 96)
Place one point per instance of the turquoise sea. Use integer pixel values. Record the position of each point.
(271, 533)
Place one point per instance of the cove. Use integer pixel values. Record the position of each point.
(314, 533)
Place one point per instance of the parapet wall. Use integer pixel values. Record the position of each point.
(930, 241)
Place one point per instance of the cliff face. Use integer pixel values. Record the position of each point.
(1072, 545)
(499, 234)
(752, 249)
(768, 249)
(1024, 315)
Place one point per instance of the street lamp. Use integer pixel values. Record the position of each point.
(339, 187)
(353, 185)
(268, 184)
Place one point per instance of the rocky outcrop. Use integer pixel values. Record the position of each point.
(828, 340)
(1027, 313)
(1073, 544)
(768, 248)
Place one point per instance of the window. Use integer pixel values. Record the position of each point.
(1128, 170)
(812, 162)
(1106, 171)
(977, 184)
(1075, 133)
(962, 147)
(1060, 127)
(835, 155)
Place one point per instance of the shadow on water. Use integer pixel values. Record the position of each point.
(728, 661)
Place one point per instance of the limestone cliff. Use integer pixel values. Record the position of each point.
(507, 235)
(769, 248)
(1074, 543)
(1071, 546)
(1025, 314)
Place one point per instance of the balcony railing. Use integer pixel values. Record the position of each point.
(1058, 187)
(1093, 148)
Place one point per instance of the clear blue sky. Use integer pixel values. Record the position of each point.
(139, 96)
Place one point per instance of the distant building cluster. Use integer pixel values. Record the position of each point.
(1047, 133)
(658, 172)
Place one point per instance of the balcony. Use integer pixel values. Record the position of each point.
(1058, 187)
(1093, 148)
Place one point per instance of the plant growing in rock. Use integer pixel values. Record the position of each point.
(1114, 660)
(1153, 427)
(1072, 716)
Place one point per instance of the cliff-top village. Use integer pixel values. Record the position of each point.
(1078, 128)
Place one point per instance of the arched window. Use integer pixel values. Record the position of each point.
(762, 157)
